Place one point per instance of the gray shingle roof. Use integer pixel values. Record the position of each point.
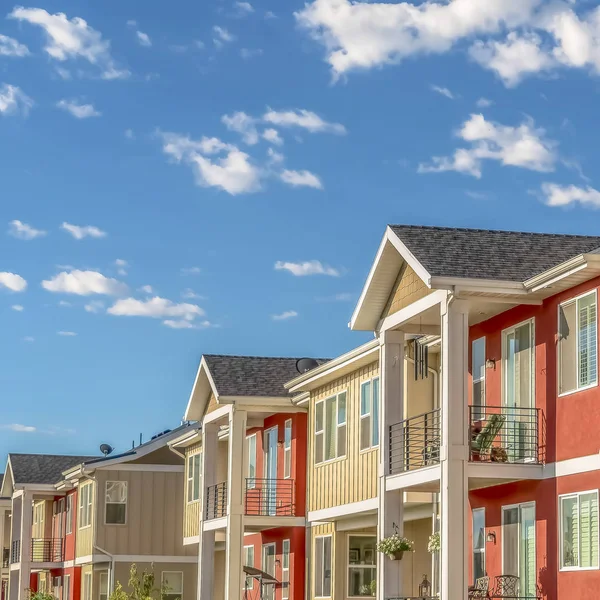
(252, 375)
(488, 254)
(42, 468)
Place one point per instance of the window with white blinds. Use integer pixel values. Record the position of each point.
(369, 414)
(330, 428)
(323, 567)
(579, 531)
(578, 343)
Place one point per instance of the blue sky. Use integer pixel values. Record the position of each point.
(217, 177)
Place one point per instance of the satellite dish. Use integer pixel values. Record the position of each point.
(106, 449)
(306, 364)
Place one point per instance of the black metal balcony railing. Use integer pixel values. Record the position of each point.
(47, 550)
(216, 500)
(505, 434)
(5, 557)
(15, 552)
(415, 442)
(270, 497)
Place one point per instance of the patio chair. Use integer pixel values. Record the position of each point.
(506, 586)
(484, 440)
(481, 589)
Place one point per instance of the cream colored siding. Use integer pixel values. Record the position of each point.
(354, 477)
(84, 540)
(212, 404)
(418, 563)
(409, 288)
(219, 576)
(191, 523)
(154, 514)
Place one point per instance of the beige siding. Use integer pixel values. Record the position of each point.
(349, 479)
(409, 287)
(84, 540)
(212, 404)
(191, 522)
(154, 514)
(418, 563)
(189, 571)
(219, 576)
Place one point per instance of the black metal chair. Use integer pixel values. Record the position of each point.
(481, 588)
(506, 586)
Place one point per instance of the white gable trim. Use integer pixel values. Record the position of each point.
(199, 398)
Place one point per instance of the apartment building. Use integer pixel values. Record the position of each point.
(246, 479)
(5, 516)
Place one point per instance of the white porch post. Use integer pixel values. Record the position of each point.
(391, 504)
(454, 481)
(206, 545)
(26, 523)
(235, 504)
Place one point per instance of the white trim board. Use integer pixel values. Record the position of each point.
(343, 510)
(154, 558)
(144, 467)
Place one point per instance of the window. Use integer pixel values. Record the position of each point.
(251, 464)
(362, 565)
(116, 503)
(478, 374)
(87, 586)
(287, 449)
(285, 570)
(194, 466)
(249, 562)
(268, 566)
(56, 585)
(69, 515)
(577, 344)
(85, 506)
(66, 595)
(579, 531)
(323, 567)
(172, 583)
(369, 414)
(330, 428)
(61, 512)
(103, 595)
(478, 543)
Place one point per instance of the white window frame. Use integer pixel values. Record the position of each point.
(350, 566)
(69, 514)
(321, 538)
(369, 415)
(560, 531)
(475, 380)
(246, 561)
(285, 552)
(505, 333)
(479, 550)
(86, 586)
(178, 593)
(66, 591)
(106, 503)
(102, 579)
(287, 449)
(558, 353)
(85, 511)
(194, 468)
(252, 440)
(337, 426)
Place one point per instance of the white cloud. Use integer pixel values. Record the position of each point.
(182, 324)
(301, 178)
(174, 315)
(309, 267)
(484, 103)
(13, 100)
(275, 158)
(272, 136)
(12, 282)
(95, 306)
(82, 231)
(248, 53)
(190, 294)
(23, 231)
(18, 307)
(71, 39)
(79, 111)
(360, 35)
(121, 265)
(191, 270)
(129, 134)
(443, 91)
(284, 316)
(222, 36)
(243, 9)
(11, 47)
(523, 146)
(513, 59)
(17, 427)
(66, 333)
(147, 289)
(557, 195)
(64, 303)
(270, 15)
(84, 283)
(304, 119)
(143, 39)
(29, 338)
(243, 124)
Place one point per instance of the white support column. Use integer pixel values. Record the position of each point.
(454, 455)
(206, 545)
(3, 512)
(391, 504)
(26, 524)
(235, 504)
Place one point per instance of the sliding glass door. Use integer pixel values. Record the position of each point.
(518, 546)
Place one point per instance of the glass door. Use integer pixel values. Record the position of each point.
(518, 546)
(268, 566)
(270, 491)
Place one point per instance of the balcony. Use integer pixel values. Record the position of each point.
(216, 501)
(270, 497)
(47, 550)
(15, 552)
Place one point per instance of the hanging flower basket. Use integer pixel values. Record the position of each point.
(395, 546)
(435, 543)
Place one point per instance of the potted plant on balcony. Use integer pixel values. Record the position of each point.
(395, 546)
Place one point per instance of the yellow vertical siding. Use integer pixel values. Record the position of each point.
(85, 537)
(409, 288)
(191, 521)
(349, 479)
